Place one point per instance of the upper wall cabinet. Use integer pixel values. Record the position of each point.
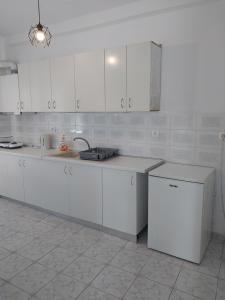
(133, 77)
(63, 84)
(24, 87)
(115, 79)
(143, 77)
(9, 94)
(40, 86)
(89, 79)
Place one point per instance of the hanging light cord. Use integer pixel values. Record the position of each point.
(222, 177)
(39, 14)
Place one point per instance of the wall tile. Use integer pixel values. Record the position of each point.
(208, 158)
(184, 155)
(136, 135)
(208, 139)
(158, 120)
(210, 121)
(158, 152)
(118, 119)
(158, 136)
(183, 121)
(183, 137)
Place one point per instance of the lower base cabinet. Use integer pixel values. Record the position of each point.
(109, 197)
(11, 177)
(85, 193)
(46, 185)
(124, 201)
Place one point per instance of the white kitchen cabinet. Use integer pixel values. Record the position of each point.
(89, 82)
(85, 193)
(3, 175)
(115, 79)
(11, 182)
(24, 87)
(124, 201)
(46, 185)
(9, 93)
(143, 77)
(180, 210)
(63, 84)
(40, 86)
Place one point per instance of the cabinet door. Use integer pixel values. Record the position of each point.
(40, 86)
(119, 200)
(89, 80)
(85, 189)
(45, 185)
(9, 93)
(63, 84)
(138, 77)
(3, 175)
(13, 182)
(115, 79)
(24, 87)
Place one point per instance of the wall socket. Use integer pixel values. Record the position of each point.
(222, 135)
(155, 133)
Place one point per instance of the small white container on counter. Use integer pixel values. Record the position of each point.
(45, 141)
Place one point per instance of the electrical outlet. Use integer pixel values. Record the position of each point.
(222, 135)
(155, 133)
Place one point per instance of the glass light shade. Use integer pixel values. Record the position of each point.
(39, 36)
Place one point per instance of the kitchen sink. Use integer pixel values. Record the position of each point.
(98, 153)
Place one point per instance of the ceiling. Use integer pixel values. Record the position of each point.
(17, 16)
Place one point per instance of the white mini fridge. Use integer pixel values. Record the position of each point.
(180, 207)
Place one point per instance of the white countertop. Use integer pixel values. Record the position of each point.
(126, 163)
(183, 172)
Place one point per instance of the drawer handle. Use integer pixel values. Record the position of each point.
(129, 102)
(173, 185)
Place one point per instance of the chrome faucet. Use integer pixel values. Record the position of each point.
(80, 138)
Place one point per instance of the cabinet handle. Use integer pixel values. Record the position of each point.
(173, 185)
(65, 170)
(132, 180)
(54, 104)
(122, 106)
(130, 103)
(22, 105)
(78, 104)
(70, 171)
(49, 104)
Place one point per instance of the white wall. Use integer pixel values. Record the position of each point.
(193, 54)
(2, 48)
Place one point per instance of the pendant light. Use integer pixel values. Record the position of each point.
(39, 35)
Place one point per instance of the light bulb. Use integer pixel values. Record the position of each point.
(112, 60)
(40, 36)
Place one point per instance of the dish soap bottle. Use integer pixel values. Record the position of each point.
(63, 146)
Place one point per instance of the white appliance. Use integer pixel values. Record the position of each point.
(180, 205)
(45, 141)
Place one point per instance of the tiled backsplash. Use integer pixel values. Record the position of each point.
(180, 137)
(5, 125)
